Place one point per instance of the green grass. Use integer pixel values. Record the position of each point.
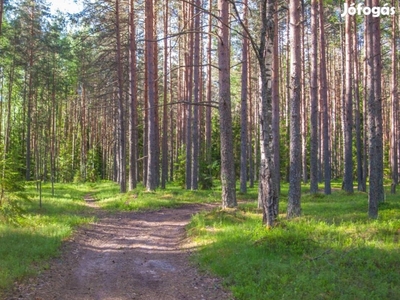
(24, 248)
(108, 197)
(333, 251)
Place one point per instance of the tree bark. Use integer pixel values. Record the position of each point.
(209, 89)
(268, 190)
(120, 103)
(360, 179)
(314, 137)
(164, 162)
(374, 114)
(275, 106)
(133, 101)
(394, 110)
(348, 109)
(189, 93)
(152, 173)
(243, 108)
(326, 154)
(228, 181)
(378, 98)
(196, 98)
(294, 207)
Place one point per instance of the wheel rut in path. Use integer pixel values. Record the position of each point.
(132, 255)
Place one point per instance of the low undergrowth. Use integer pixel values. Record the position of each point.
(108, 197)
(36, 232)
(333, 251)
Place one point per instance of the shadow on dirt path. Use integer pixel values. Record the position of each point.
(133, 255)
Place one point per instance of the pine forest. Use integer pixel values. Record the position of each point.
(284, 103)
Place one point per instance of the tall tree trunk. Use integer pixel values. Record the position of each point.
(303, 102)
(156, 120)
(30, 96)
(394, 110)
(294, 208)
(228, 180)
(251, 126)
(133, 101)
(348, 109)
(164, 163)
(196, 98)
(9, 101)
(189, 11)
(378, 98)
(374, 111)
(314, 137)
(120, 99)
(268, 189)
(152, 173)
(275, 106)
(189, 117)
(243, 108)
(209, 88)
(53, 138)
(326, 154)
(360, 174)
(365, 104)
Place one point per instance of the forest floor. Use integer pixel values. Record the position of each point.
(125, 255)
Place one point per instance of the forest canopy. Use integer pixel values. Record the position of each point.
(254, 92)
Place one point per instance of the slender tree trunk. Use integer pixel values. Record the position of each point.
(133, 101)
(378, 98)
(374, 111)
(156, 120)
(275, 107)
(30, 99)
(373, 199)
(209, 88)
(314, 137)
(268, 189)
(120, 99)
(9, 101)
(365, 104)
(189, 117)
(294, 208)
(151, 182)
(196, 98)
(394, 110)
(164, 163)
(251, 125)
(243, 109)
(53, 129)
(360, 174)
(326, 154)
(303, 102)
(348, 109)
(189, 12)
(228, 180)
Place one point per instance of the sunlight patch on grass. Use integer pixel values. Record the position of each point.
(25, 247)
(110, 198)
(332, 252)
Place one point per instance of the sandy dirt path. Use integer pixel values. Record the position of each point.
(134, 255)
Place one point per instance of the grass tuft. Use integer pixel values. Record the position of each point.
(37, 235)
(333, 251)
(110, 198)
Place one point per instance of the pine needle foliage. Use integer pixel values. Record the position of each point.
(11, 191)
